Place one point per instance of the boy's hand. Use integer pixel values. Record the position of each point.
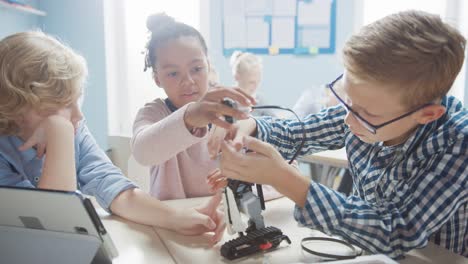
(210, 108)
(235, 135)
(216, 180)
(202, 219)
(39, 137)
(264, 165)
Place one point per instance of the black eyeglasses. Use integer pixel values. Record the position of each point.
(370, 127)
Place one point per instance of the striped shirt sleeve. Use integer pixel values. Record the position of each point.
(325, 130)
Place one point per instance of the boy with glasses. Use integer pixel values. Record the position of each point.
(406, 140)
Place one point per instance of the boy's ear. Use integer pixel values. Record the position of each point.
(430, 113)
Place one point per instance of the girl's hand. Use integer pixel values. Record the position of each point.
(202, 219)
(264, 165)
(216, 137)
(210, 108)
(39, 137)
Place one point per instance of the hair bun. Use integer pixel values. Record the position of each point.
(158, 21)
(235, 57)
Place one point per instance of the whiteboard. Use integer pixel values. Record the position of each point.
(276, 27)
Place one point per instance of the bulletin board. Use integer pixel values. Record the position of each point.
(276, 27)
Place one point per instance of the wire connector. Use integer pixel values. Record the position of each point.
(233, 104)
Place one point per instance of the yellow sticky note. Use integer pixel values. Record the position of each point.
(313, 50)
(273, 50)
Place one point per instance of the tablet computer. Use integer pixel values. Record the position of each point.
(47, 226)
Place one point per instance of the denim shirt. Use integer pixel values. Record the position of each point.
(96, 175)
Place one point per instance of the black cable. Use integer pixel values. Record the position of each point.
(326, 255)
(298, 150)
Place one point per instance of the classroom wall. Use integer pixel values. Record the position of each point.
(81, 25)
(12, 21)
(286, 76)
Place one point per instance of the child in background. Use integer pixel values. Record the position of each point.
(406, 140)
(44, 143)
(213, 77)
(170, 135)
(247, 71)
(314, 99)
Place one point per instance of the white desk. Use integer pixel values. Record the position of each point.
(336, 158)
(193, 249)
(144, 244)
(135, 243)
(433, 254)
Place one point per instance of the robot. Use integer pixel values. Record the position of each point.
(253, 237)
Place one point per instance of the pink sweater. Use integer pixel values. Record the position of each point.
(179, 160)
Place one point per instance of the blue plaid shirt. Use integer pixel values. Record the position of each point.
(403, 195)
